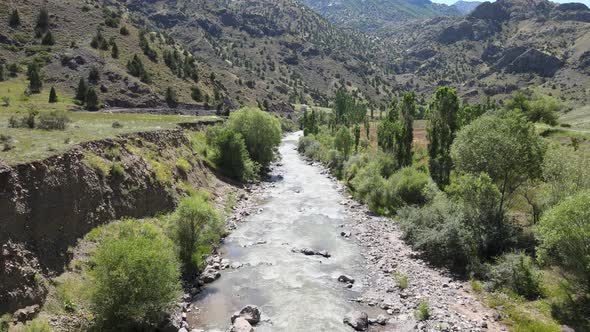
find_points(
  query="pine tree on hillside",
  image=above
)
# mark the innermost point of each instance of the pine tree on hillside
(93, 75)
(82, 90)
(35, 83)
(14, 20)
(2, 74)
(115, 51)
(91, 100)
(42, 21)
(171, 98)
(48, 39)
(135, 68)
(52, 95)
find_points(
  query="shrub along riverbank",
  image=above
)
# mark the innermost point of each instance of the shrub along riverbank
(489, 198)
(128, 274)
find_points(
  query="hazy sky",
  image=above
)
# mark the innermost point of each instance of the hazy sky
(450, 2)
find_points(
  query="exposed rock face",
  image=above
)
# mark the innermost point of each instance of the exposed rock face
(358, 320)
(572, 12)
(490, 11)
(534, 61)
(45, 206)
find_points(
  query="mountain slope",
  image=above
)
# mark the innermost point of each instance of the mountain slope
(466, 7)
(499, 48)
(270, 50)
(372, 15)
(73, 25)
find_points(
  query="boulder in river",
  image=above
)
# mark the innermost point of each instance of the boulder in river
(251, 313)
(240, 324)
(358, 320)
(346, 279)
(210, 275)
(311, 252)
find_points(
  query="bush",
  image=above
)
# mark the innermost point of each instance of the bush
(37, 325)
(135, 279)
(231, 154)
(516, 271)
(369, 186)
(261, 132)
(55, 120)
(309, 147)
(422, 312)
(183, 165)
(564, 235)
(439, 231)
(408, 186)
(117, 125)
(196, 225)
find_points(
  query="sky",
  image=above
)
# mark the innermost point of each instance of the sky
(450, 2)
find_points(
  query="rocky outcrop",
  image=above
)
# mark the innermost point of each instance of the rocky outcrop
(534, 61)
(46, 205)
(571, 12)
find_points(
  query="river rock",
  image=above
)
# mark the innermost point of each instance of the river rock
(250, 312)
(358, 320)
(210, 275)
(346, 279)
(311, 252)
(240, 324)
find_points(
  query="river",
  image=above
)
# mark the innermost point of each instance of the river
(295, 292)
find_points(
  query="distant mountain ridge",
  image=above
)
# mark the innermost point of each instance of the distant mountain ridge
(466, 7)
(372, 15)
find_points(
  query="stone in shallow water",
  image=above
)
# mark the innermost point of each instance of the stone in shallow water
(241, 325)
(358, 320)
(250, 312)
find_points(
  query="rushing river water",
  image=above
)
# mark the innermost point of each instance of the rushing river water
(294, 292)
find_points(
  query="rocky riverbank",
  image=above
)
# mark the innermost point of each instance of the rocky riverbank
(381, 300)
(452, 303)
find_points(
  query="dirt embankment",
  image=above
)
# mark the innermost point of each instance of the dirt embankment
(45, 206)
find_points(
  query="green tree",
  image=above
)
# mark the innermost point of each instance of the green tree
(93, 75)
(542, 108)
(564, 236)
(231, 154)
(92, 103)
(357, 137)
(442, 127)
(406, 134)
(196, 94)
(504, 146)
(42, 21)
(343, 141)
(48, 39)
(14, 20)
(35, 82)
(2, 73)
(135, 68)
(135, 278)
(52, 95)
(193, 220)
(171, 98)
(124, 31)
(261, 132)
(82, 90)
(115, 51)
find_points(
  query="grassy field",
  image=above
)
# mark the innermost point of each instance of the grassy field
(32, 144)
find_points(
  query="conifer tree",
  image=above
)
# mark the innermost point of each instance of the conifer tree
(115, 51)
(42, 21)
(52, 95)
(91, 100)
(407, 111)
(14, 20)
(48, 39)
(171, 98)
(82, 90)
(35, 83)
(2, 73)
